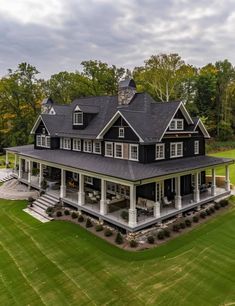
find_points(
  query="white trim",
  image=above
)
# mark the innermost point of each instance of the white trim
(77, 108)
(111, 143)
(37, 124)
(176, 143)
(202, 128)
(80, 144)
(196, 147)
(88, 180)
(118, 144)
(75, 114)
(160, 145)
(121, 135)
(185, 113)
(136, 146)
(111, 121)
(176, 125)
(62, 143)
(89, 142)
(94, 143)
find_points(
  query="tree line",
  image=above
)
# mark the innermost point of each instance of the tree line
(208, 91)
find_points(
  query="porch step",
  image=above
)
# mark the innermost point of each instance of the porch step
(50, 197)
(47, 201)
(37, 215)
(6, 178)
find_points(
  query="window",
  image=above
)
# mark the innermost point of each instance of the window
(118, 150)
(159, 191)
(160, 151)
(65, 143)
(177, 124)
(76, 144)
(38, 140)
(87, 146)
(121, 133)
(176, 149)
(88, 180)
(75, 176)
(43, 141)
(48, 142)
(43, 130)
(134, 152)
(78, 118)
(196, 147)
(109, 149)
(97, 147)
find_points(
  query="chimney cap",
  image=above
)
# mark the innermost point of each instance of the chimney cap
(127, 83)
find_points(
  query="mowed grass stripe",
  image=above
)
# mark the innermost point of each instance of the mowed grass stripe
(76, 268)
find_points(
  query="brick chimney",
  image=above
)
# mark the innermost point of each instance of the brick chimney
(126, 91)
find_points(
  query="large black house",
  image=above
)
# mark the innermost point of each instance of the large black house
(126, 159)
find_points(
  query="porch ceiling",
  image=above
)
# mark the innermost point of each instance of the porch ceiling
(122, 169)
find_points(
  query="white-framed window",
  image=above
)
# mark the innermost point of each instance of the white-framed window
(177, 124)
(88, 180)
(43, 141)
(38, 140)
(176, 149)
(65, 143)
(78, 118)
(109, 149)
(159, 191)
(48, 142)
(121, 132)
(134, 152)
(160, 151)
(76, 144)
(43, 130)
(196, 147)
(118, 150)
(75, 176)
(87, 146)
(97, 147)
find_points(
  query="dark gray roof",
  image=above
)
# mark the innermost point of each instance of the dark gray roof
(123, 169)
(47, 101)
(127, 83)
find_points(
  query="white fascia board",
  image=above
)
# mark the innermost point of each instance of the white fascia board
(202, 128)
(36, 125)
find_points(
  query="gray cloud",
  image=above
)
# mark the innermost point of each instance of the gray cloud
(123, 32)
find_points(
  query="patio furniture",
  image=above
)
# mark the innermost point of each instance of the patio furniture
(166, 201)
(203, 188)
(144, 204)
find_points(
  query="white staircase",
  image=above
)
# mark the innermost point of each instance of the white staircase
(6, 178)
(39, 207)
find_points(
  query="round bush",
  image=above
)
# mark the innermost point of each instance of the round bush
(150, 239)
(160, 235)
(188, 222)
(88, 223)
(203, 215)
(223, 202)
(74, 215)
(58, 213)
(108, 232)
(217, 206)
(133, 243)
(67, 212)
(167, 233)
(175, 227)
(208, 212)
(182, 225)
(49, 210)
(99, 227)
(195, 219)
(212, 210)
(119, 238)
(80, 218)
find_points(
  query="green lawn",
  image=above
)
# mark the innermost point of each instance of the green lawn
(228, 154)
(59, 263)
(11, 158)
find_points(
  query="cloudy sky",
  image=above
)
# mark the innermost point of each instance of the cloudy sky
(57, 35)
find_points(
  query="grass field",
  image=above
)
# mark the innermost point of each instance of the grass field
(11, 159)
(60, 263)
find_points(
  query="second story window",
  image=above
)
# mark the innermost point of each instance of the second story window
(97, 147)
(87, 146)
(134, 152)
(176, 149)
(65, 143)
(160, 151)
(76, 144)
(121, 133)
(118, 150)
(78, 118)
(176, 124)
(109, 149)
(43, 141)
(196, 147)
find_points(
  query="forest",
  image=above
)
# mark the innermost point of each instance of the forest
(208, 91)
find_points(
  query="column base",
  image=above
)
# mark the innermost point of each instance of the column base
(227, 185)
(213, 190)
(178, 202)
(81, 198)
(103, 207)
(157, 210)
(62, 191)
(132, 218)
(196, 197)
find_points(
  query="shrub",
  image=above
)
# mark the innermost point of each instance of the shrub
(80, 218)
(74, 215)
(175, 227)
(59, 213)
(35, 171)
(49, 210)
(99, 227)
(195, 219)
(88, 222)
(133, 243)
(212, 210)
(208, 212)
(108, 232)
(223, 202)
(150, 239)
(67, 212)
(182, 225)
(119, 238)
(203, 215)
(30, 200)
(125, 215)
(160, 235)
(167, 233)
(217, 206)
(44, 184)
(188, 222)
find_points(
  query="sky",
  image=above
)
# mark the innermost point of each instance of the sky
(57, 35)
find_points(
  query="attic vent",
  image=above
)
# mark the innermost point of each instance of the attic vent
(126, 91)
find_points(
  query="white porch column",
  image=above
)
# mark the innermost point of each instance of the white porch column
(40, 176)
(213, 185)
(132, 210)
(15, 164)
(227, 179)
(30, 164)
(103, 201)
(7, 160)
(63, 184)
(196, 194)
(157, 210)
(81, 197)
(20, 167)
(178, 201)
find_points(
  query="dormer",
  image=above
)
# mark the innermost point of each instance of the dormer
(82, 116)
(77, 117)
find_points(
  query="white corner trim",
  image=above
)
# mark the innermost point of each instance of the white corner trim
(202, 128)
(36, 125)
(77, 108)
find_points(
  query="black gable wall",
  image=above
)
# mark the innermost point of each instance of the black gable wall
(40, 128)
(179, 115)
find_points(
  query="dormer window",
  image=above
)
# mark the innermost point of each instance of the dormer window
(177, 124)
(78, 118)
(121, 133)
